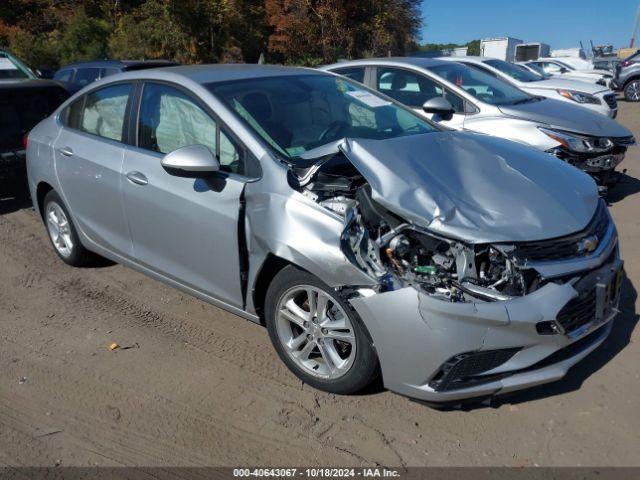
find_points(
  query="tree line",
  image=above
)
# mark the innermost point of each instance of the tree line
(309, 32)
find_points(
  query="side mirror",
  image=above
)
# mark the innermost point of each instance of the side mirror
(439, 106)
(192, 160)
(564, 70)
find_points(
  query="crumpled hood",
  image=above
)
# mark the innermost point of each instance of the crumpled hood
(476, 188)
(563, 115)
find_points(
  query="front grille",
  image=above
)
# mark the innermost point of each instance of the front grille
(611, 101)
(462, 370)
(578, 312)
(570, 246)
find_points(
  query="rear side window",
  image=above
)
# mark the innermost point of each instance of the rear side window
(104, 111)
(73, 115)
(354, 73)
(84, 76)
(63, 75)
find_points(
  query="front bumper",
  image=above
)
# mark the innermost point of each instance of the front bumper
(416, 336)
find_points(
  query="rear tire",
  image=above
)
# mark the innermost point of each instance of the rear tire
(62, 232)
(632, 91)
(322, 340)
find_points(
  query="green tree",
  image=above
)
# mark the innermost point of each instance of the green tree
(85, 38)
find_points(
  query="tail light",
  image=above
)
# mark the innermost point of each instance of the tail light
(25, 140)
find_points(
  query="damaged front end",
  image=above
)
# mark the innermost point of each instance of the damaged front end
(456, 318)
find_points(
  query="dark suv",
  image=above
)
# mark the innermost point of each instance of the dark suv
(627, 77)
(81, 74)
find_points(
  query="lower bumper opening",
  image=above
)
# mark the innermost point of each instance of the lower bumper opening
(458, 373)
(462, 370)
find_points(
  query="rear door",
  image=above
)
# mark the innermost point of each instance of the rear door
(184, 228)
(88, 155)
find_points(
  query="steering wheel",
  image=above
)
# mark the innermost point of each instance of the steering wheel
(335, 128)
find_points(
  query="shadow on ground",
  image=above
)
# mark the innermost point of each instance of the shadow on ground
(14, 195)
(626, 186)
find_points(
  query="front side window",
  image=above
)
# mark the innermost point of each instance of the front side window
(486, 88)
(105, 72)
(104, 111)
(297, 113)
(63, 75)
(170, 119)
(407, 87)
(354, 73)
(84, 76)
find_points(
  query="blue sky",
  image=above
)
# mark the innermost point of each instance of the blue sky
(560, 23)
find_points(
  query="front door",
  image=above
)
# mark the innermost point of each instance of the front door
(88, 155)
(184, 228)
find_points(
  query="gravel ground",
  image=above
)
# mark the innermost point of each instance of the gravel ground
(200, 386)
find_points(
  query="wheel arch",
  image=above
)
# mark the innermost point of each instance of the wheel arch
(271, 266)
(41, 191)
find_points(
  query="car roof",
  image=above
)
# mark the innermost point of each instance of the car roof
(413, 61)
(204, 74)
(118, 63)
(224, 72)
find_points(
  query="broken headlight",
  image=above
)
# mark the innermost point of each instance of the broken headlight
(578, 143)
(453, 269)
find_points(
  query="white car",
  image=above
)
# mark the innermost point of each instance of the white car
(594, 97)
(562, 68)
(537, 69)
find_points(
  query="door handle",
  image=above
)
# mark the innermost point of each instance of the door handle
(137, 178)
(66, 151)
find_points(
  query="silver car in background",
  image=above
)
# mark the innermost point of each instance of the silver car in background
(596, 97)
(368, 240)
(466, 98)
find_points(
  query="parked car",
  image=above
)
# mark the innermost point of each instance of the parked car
(24, 101)
(555, 66)
(594, 97)
(627, 77)
(466, 98)
(366, 238)
(83, 73)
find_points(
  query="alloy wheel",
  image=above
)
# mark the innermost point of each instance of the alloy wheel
(59, 229)
(632, 91)
(316, 332)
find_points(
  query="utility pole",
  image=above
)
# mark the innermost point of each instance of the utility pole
(636, 27)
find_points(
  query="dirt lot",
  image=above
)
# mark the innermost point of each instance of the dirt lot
(203, 387)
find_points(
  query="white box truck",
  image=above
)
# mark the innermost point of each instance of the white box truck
(503, 48)
(531, 51)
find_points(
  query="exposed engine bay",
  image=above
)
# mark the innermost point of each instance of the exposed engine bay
(399, 254)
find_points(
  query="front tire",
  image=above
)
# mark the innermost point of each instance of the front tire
(632, 91)
(62, 232)
(318, 335)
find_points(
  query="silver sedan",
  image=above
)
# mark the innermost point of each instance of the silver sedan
(368, 240)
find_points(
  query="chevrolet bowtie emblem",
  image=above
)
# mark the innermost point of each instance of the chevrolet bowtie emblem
(588, 244)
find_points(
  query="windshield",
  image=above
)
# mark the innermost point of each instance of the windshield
(483, 86)
(564, 65)
(514, 71)
(297, 113)
(9, 70)
(538, 69)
